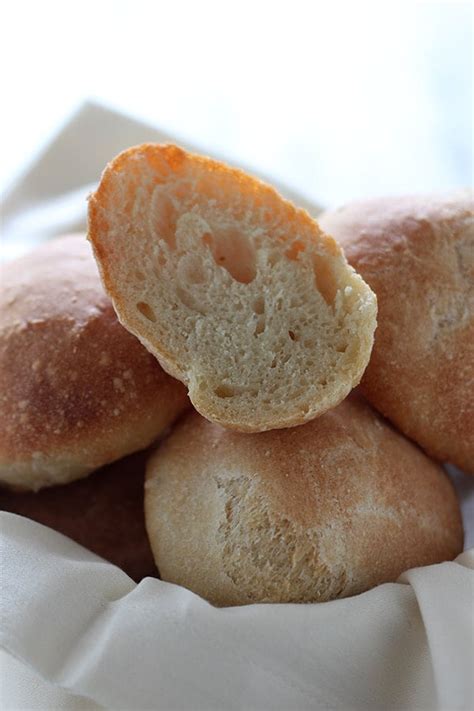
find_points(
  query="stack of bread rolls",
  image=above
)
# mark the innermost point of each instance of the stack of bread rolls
(223, 340)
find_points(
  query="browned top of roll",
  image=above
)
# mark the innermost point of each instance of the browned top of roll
(76, 389)
(417, 254)
(311, 513)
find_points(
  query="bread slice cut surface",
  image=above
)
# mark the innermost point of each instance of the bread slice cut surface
(238, 293)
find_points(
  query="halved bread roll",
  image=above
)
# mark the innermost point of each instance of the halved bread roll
(77, 391)
(417, 254)
(236, 292)
(321, 511)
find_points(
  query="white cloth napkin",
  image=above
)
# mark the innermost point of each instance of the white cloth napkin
(85, 626)
(77, 633)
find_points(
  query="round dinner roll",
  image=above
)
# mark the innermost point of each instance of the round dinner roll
(103, 512)
(77, 390)
(237, 292)
(321, 511)
(417, 254)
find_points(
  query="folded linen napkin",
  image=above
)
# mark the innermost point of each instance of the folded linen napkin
(86, 627)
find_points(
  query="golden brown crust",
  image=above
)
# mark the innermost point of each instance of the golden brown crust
(417, 254)
(325, 510)
(103, 513)
(191, 251)
(76, 389)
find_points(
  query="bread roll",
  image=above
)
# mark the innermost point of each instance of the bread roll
(235, 291)
(417, 254)
(103, 512)
(76, 389)
(321, 511)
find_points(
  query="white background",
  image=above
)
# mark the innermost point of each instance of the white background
(339, 100)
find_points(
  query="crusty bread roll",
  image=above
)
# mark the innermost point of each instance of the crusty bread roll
(76, 389)
(237, 293)
(103, 512)
(417, 254)
(321, 511)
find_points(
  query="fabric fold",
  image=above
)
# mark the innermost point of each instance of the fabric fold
(83, 625)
